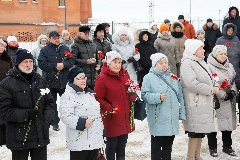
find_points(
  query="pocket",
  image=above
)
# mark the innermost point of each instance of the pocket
(46, 127)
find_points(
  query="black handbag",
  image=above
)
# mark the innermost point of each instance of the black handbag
(139, 109)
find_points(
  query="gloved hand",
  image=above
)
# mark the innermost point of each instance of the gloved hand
(130, 59)
(217, 104)
(178, 65)
(229, 95)
(123, 62)
(32, 113)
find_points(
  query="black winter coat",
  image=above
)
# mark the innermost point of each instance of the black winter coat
(48, 58)
(207, 47)
(104, 46)
(233, 52)
(146, 49)
(235, 21)
(12, 52)
(109, 38)
(82, 50)
(212, 34)
(17, 96)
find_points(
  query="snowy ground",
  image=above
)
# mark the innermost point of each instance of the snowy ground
(138, 146)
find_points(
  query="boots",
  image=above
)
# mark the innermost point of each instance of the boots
(192, 147)
(198, 151)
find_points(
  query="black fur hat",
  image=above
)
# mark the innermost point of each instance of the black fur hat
(84, 29)
(99, 28)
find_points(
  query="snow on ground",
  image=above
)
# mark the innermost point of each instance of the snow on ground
(138, 146)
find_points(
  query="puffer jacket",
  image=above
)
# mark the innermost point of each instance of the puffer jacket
(49, 56)
(104, 46)
(83, 50)
(111, 91)
(78, 104)
(226, 114)
(212, 34)
(233, 52)
(166, 123)
(197, 88)
(126, 50)
(12, 51)
(189, 30)
(17, 96)
(166, 45)
(36, 52)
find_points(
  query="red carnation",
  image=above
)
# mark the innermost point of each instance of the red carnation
(68, 54)
(116, 110)
(229, 44)
(224, 84)
(100, 55)
(174, 77)
(214, 74)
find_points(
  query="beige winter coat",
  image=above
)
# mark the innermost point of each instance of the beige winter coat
(198, 95)
(166, 45)
(226, 116)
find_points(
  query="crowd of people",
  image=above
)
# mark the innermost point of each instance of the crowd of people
(183, 74)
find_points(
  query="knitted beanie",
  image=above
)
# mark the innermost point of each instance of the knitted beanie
(110, 56)
(180, 17)
(65, 31)
(21, 55)
(73, 73)
(162, 27)
(192, 45)
(122, 31)
(11, 38)
(200, 31)
(217, 49)
(157, 57)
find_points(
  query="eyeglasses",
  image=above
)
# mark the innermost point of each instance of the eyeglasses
(85, 78)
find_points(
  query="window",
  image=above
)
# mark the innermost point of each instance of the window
(61, 2)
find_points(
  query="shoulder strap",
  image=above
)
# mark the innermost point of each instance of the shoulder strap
(204, 70)
(168, 84)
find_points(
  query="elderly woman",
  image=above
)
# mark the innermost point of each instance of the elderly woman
(163, 94)
(123, 45)
(111, 91)
(226, 114)
(166, 45)
(66, 39)
(80, 112)
(198, 90)
(136, 36)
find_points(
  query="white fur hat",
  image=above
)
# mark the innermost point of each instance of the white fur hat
(217, 49)
(122, 31)
(110, 56)
(65, 31)
(11, 38)
(157, 57)
(192, 45)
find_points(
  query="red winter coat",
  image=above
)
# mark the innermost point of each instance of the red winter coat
(111, 91)
(189, 30)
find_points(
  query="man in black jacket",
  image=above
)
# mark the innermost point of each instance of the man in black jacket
(233, 18)
(108, 35)
(85, 54)
(19, 95)
(50, 61)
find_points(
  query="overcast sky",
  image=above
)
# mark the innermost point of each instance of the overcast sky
(119, 10)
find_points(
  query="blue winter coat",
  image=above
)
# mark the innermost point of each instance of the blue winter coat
(48, 58)
(170, 112)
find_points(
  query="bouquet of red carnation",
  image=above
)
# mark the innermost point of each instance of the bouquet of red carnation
(229, 44)
(227, 86)
(136, 51)
(114, 111)
(132, 88)
(100, 57)
(68, 55)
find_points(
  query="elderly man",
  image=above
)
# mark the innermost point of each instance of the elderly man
(19, 95)
(85, 53)
(50, 61)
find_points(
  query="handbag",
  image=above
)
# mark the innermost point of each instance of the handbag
(101, 154)
(139, 109)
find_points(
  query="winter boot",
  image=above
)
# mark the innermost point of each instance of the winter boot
(198, 150)
(192, 147)
(121, 158)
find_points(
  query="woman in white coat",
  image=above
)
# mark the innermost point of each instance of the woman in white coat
(226, 113)
(80, 112)
(124, 46)
(198, 90)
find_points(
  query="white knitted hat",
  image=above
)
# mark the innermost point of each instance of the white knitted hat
(157, 57)
(192, 45)
(110, 56)
(65, 31)
(122, 31)
(11, 38)
(217, 49)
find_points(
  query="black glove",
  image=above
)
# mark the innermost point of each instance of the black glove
(229, 95)
(123, 62)
(32, 113)
(130, 59)
(217, 104)
(178, 65)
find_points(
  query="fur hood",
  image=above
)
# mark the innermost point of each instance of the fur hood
(224, 32)
(172, 30)
(214, 27)
(117, 41)
(42, 36)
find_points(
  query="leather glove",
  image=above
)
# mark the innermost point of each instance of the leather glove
(229, 96)
(32, 113)
(130, 59)
(217, 104)
(177, 65)
(123, 62)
